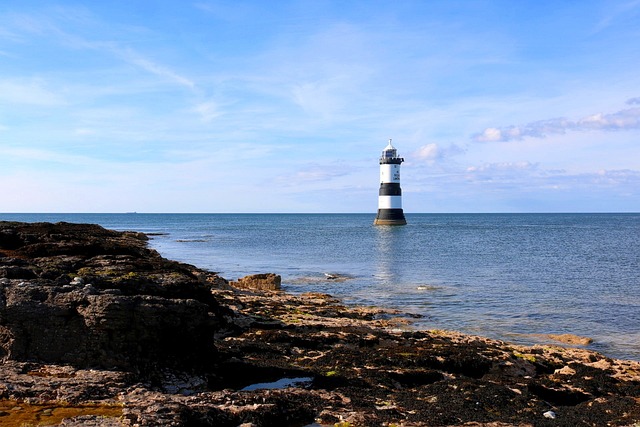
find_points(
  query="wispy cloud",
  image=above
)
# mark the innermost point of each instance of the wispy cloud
(29, 92)
(26, 155)
(311, 173)
(152, 67)
(616, 12)
(500, 168)
(626, 119)
(208, 111)
(55, 27)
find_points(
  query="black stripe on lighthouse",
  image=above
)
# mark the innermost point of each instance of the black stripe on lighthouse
(390, 189)
(390, 217)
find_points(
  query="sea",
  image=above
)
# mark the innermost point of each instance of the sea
(513, 277)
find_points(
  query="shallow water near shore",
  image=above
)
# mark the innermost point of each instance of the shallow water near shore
(504, 276)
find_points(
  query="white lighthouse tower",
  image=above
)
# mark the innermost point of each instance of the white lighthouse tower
(390, 195)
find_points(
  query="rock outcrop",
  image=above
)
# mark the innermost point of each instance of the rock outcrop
(98, 330)
(263, 282)
(90, 297)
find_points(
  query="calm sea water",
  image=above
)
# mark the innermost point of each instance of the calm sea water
(505, 276)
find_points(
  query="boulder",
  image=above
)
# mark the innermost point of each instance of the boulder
(263, 282)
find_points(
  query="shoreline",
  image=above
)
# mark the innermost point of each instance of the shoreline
(92, 321)
(527, 339)
(456, 301)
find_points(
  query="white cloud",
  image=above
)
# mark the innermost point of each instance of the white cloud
(489, 135)
(428, 152)
(627, 119)
(433, 152)
(624, 119)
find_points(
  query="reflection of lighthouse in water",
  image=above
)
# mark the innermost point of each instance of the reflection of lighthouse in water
(387, 268)
(390, 195)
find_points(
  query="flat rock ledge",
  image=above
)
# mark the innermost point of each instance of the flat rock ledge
(98, 330)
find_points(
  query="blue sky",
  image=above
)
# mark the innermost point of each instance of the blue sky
(285, 106)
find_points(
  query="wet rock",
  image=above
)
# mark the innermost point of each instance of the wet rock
(571, 339)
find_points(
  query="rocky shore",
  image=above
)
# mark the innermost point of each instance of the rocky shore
(96, 329)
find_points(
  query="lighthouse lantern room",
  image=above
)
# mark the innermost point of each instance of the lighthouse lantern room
(390, 195)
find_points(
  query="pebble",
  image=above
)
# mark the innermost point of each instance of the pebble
(550, 414)
(77, 281)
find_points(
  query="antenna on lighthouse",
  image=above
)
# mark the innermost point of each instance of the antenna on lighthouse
(390, 195)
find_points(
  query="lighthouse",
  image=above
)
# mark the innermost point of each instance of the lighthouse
(390, 195)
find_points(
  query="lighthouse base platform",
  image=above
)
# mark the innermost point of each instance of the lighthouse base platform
(390, 217)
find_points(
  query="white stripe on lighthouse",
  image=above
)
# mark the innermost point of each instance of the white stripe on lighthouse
(389, 202)
(389, 173)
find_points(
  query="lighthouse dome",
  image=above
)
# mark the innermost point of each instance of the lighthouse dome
(389, 151)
